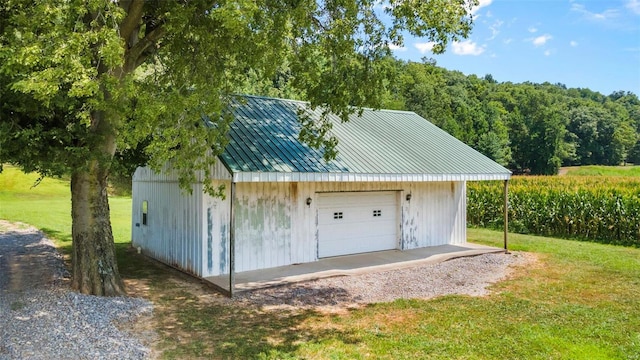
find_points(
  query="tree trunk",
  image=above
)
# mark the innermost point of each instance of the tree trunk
(95, 269)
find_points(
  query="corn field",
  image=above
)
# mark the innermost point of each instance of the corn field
(595, 208)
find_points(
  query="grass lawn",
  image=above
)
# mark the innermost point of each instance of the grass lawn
(580, 301)
(600, 170)
(47, 206)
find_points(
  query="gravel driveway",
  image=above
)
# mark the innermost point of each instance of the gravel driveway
(462, 276)
(40, 318)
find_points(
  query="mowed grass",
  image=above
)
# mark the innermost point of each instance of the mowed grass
(47, 206)
(579, 300)
(600, 170)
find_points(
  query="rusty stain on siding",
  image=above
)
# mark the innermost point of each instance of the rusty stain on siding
(283, 220)
(223, 249)
(209, 239)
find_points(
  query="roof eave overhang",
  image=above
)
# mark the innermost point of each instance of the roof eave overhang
(240, 177)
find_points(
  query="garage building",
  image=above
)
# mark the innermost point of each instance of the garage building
(397, 183)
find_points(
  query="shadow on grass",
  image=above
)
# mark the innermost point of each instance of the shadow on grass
(62, 238)
(193, 321)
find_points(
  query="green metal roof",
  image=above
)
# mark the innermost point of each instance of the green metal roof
(379, 145)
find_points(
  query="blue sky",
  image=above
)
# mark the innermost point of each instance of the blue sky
(581, 43)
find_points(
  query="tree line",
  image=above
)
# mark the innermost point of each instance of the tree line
(527, 127)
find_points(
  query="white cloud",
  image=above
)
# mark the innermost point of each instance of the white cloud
(547, 53)
(395, 47)
(481, 4)
(634, 6)
(508, 41)
(495, 29)
(542, 39)
(532, 29)
(603, 16)
(573, 43)
(424, 47)
(467, 47)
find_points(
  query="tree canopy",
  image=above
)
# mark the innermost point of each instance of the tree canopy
(529, 128)
(83, 79)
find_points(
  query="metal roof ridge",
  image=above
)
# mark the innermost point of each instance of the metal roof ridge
(270, 176)
(307, 103)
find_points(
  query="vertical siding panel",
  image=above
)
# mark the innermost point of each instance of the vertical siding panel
(247, 202)
(251, 248)
(427, 217)
(262, 237)
(420, 226)
(308, 250)
(285, 223)
(267, 237)
(278, 223)
(276, 219)
(440, 213)
(196, 249)
(240, 209)
(174, 233)
(461, 213)
(215, 232)
(137, 238)
(264, 225)
(272, 214)
(241, 213)
(436, 214)
(207, 258)
(455, 216)
(297, 213)
(169, 235)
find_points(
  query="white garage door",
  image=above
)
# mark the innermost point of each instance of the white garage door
(356, 222)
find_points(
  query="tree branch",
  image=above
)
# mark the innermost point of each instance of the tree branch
(139, 51)
(132, 21)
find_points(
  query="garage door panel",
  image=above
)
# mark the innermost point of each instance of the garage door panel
(354, 246)
(372, 229)
(348, 216)
(345, 214)
(355, 222)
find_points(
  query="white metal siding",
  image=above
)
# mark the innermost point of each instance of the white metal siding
(436, 215)
(357, 222)
(173, 233)
(263, 225)
(274, 225)
(216, 222)
(177, 231)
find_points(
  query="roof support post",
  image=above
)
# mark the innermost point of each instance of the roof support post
(232, 241)
(506, 214)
